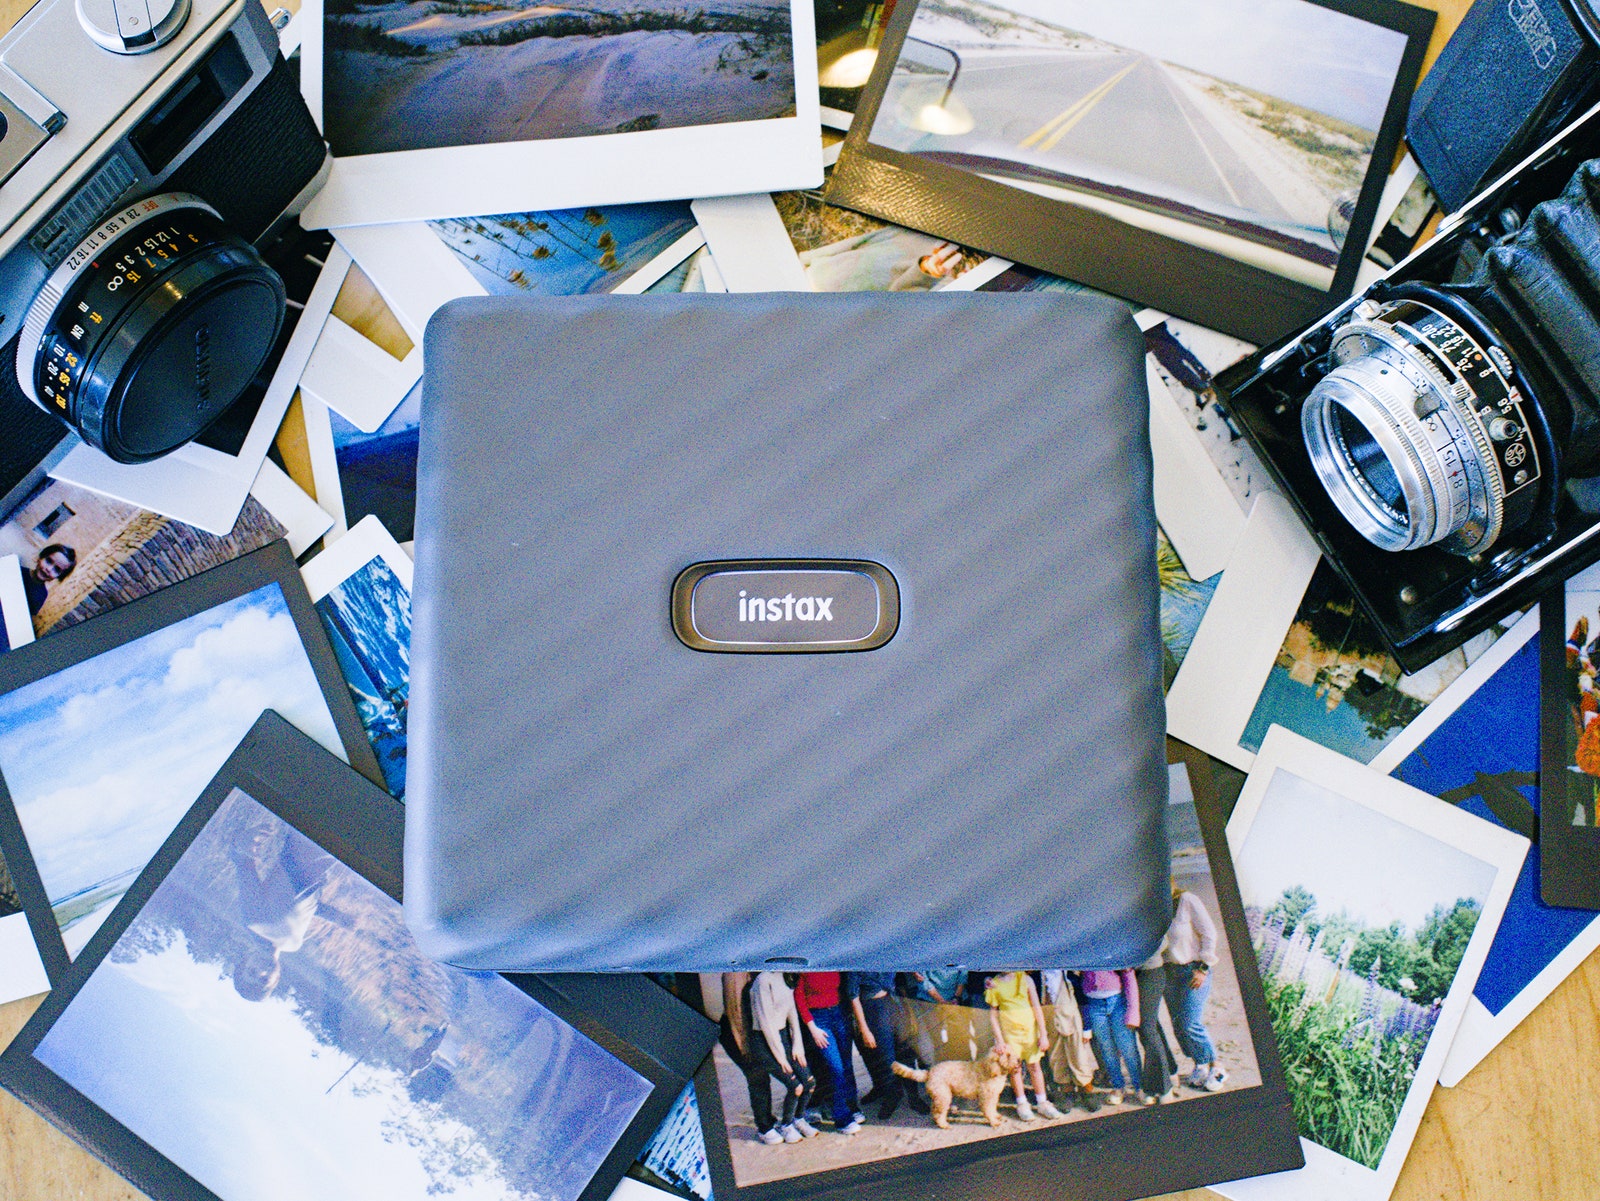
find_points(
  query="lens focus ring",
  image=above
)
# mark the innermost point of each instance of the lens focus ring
(1399, 431)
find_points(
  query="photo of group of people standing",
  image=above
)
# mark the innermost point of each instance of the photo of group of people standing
(920, 1059)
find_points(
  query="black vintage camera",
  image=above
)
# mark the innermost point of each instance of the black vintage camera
(1513, 73)
(1440, 433)
(149, 157)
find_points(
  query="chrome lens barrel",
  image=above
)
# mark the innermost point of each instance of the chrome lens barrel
(1417, 432)
(1368, 450)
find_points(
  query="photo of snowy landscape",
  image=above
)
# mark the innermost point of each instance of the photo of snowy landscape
(1252, 120)
(424, 74)
(564, 252)
(368, 619)
(267, 1023)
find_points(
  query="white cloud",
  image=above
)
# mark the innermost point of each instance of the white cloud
(103, 760)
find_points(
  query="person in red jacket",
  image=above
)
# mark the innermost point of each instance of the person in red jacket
(817, 997)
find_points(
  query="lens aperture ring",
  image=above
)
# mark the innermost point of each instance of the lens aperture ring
(80, 321)
(153, 326)
(1459, 416)
(1486, 371)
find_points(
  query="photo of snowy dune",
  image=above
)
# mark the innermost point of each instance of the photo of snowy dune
(267, 1023)
(424, 74)
(1252, 119)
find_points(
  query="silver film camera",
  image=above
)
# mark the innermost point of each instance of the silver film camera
(148, 148)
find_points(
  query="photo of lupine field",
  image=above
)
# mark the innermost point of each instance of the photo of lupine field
(1359, 924)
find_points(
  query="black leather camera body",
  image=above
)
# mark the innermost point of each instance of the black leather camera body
(1511, 76)
(1439, 433)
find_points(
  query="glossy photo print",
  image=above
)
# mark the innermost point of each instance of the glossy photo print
(361, 586)
(1371, 908)
(1135, 145)
(568, 252)
(447, 109)
(84, 553)
(1569, 815)
(275, 1002)
(1262, 137)
(1335, 682)
(257, 1022)
(110, 731)
(905, 1073)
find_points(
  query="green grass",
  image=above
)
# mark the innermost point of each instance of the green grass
(1347, 1098)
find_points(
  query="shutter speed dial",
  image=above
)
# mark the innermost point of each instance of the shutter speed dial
(132, 26)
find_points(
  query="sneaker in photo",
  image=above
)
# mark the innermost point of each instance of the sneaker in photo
(1024, 1110)
(790, 1134)
(806, 1129)
(1215, 1081)
(770, 1137)
(1114, 1097)
(851, 1127)
(1046, 1110)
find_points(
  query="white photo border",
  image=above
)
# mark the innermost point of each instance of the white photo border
(1328, 1174)
(14, 615)
(1221, 678)
(557, 173)
(365, 541)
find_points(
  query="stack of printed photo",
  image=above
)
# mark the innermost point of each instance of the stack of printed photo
(205, 663)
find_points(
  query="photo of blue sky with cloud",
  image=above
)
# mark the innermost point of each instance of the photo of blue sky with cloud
(103, 759)
(1351, 857)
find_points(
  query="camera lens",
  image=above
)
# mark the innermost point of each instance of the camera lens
(151, 328)
(1418, 433)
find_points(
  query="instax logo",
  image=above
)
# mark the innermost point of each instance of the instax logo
(785, 608)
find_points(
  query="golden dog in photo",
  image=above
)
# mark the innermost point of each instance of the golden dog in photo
(980, 1080)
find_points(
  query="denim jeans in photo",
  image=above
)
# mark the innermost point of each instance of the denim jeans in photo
(1107, 1019)
(838, 1062)
(1188, 1006)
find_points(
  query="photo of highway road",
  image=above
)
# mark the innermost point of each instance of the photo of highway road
(1252, 141)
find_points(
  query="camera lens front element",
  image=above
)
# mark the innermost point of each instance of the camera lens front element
(151, 328)
(1418, 434)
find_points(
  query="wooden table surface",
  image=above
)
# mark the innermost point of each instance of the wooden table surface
(1525, 1126)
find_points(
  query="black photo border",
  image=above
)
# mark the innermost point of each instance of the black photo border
(1094, 248)
(54, 653)
(1569, 856)
(362, 826)
(1112, 1157)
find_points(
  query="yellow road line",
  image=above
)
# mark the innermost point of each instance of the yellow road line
(1053, 130)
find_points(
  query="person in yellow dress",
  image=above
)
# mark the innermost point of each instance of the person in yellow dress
(1018, 1021)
